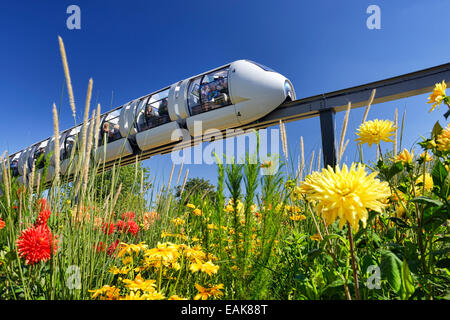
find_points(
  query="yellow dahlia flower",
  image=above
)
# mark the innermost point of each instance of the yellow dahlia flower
(437, 95)
(425, 156)
(346, 194)
(428, 182)
(443, 140)
(375, 131)
(404, 157)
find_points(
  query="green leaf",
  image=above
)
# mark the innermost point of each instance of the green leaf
(399, 222)
(391, 270)
(314, 253)
(437, 129)
(428, 201)
(441, 179)
(407, 282)
(444, 263)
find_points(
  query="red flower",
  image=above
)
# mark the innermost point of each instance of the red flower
(128, 215)
(129, 226)
(36, 244)
(43, 217)
(100, 246)
(42, 203)
(2, 224)
(108, 228)
(112, 248)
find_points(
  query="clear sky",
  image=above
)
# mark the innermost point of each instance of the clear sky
(134, 47)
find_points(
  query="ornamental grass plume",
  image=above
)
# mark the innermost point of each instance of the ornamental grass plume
(36, 244)
(345, 194)
(375, 131)
(438, 95)
(443, 140)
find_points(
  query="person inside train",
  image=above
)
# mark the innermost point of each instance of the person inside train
(163, 108)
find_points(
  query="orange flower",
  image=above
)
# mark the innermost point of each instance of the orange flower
(2, 224)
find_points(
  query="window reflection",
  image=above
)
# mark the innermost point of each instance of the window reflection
(209, 92)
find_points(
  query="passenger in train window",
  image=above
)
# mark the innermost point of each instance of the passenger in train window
(163, 108)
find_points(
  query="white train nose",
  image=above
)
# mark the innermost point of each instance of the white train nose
(256, 90)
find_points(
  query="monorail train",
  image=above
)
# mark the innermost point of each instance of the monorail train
(226, 97)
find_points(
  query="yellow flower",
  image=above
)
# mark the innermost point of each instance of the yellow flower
(375, 131)
(316, 237)
(437, 95)
(425, 156)
(208, 267)
(404, 157)
(175, 297)
(212, 226)
(194, 254)
(230, 206)
(297, 217)
(140, 284)
(127, 260)
(106, 292)
(115, 270)
(136, 295)
(130, 248)
(167, 252)
(296, 194)
(346, 194)
(177, 221)
(428, 182)
(190, 205)
(197, 212)
(443, 140)
(205, 293)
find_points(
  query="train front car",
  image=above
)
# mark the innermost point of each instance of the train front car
(234, 95)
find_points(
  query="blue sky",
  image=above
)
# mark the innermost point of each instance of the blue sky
(133, 48)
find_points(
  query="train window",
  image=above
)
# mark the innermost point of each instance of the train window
(14, 165)
(69, 143)
(153, 111)
(39, 155)
(110, 127)
(194, 93)
(210, 93)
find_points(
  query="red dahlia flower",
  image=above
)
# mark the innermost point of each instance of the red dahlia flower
(2, 224)
(43, 217)
(36, 244)
(128, 215)
(108, 228)
(128, 226)
(112, 248)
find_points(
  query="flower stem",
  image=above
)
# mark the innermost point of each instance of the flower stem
(352, 252)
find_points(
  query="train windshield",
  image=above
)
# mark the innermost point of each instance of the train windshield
(110, 127)
(70, 142)
(265, 68)
(153, 111)
(209, 92)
